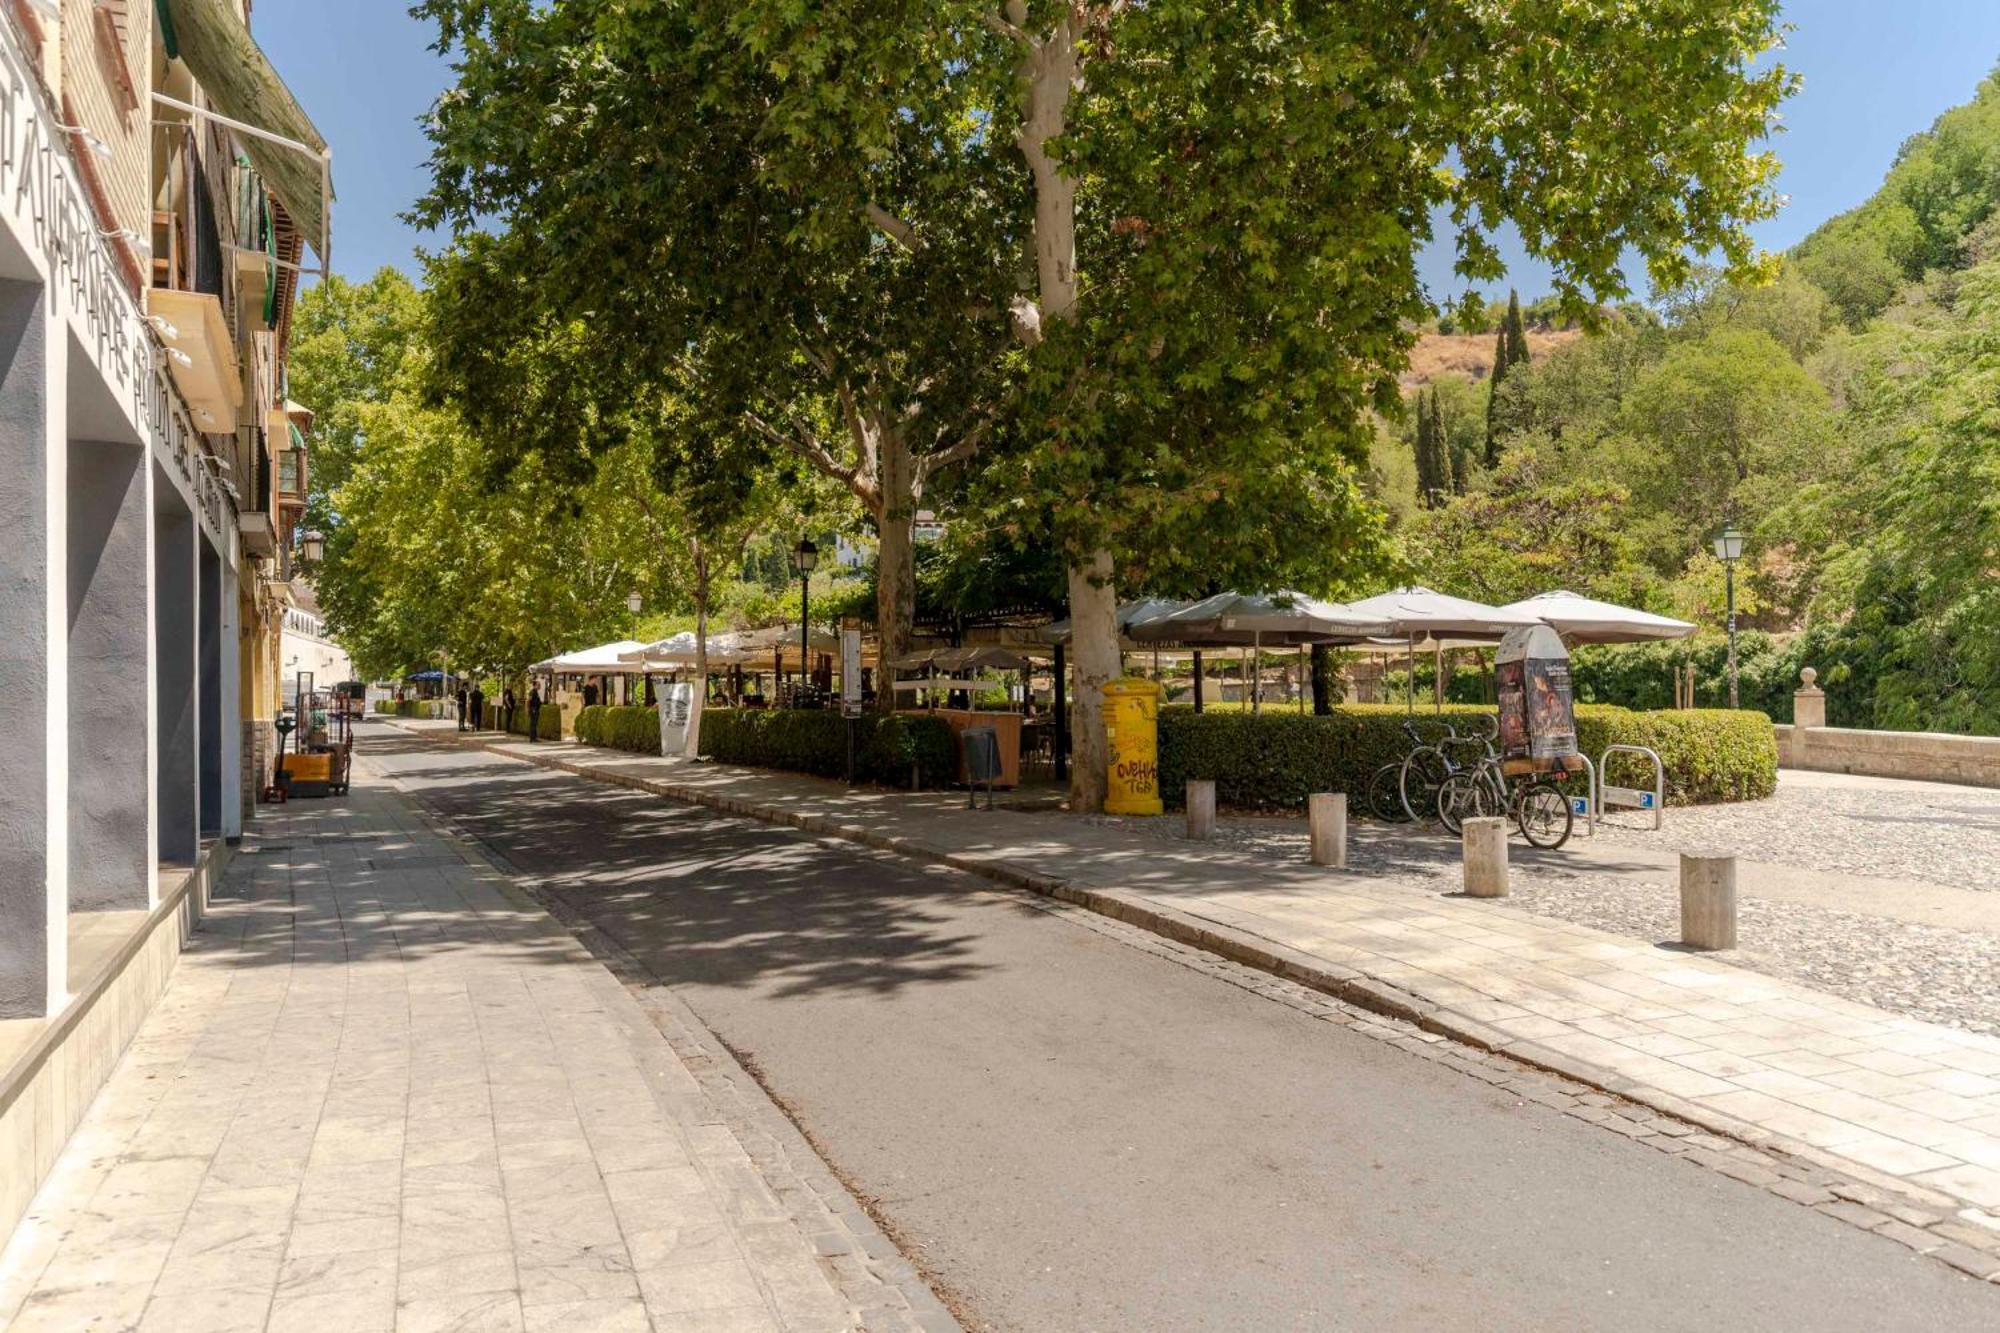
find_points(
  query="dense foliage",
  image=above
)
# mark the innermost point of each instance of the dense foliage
(889, 749)
(1841, 416)
(1274, 761)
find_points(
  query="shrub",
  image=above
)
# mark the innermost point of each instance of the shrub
(886, 745)
(1274, 761)
(620, 727)
(413, 707)
(551, 722)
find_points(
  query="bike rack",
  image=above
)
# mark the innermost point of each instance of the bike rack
(1654, 800)
(1587, 805)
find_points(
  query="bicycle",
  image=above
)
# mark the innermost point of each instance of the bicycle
(1385, 786)
(1428, 768)
(1538, 807)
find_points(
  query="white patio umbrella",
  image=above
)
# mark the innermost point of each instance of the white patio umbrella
(1129, 614)
(1257, 621)
(1417, 613)
(1587, 620)
(678, 650)
(603, 659)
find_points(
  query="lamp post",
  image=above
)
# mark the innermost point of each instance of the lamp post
(312, 547)
(1729, 549)
(804, 556)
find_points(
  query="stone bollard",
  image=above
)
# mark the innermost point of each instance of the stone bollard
(1708, 901)
(1809, 701)
(1326, 816)
(1485, 846)
(1201, 810)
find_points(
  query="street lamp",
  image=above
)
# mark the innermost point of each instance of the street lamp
(804, 556)
(1729, 549)
(634, 602)
(312, 547)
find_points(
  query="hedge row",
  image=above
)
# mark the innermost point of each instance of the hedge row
(550, 719)
(887, 747)
(409, 707)
(620, 727)
(1274, 761)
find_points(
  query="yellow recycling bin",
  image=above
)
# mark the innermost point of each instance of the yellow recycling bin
(1132, 734)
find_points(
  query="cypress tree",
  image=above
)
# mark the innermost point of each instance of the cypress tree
(1425, 479)
(1516, 330)
(1493, 394)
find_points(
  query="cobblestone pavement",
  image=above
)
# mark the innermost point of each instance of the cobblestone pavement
(1889, 830)
(1929, 972)
(385, 1091)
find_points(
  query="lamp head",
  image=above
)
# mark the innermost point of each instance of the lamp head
(1729, 544)
(805, 555)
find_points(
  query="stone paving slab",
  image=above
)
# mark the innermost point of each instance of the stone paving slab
(1910, 1106)
(385, 1091)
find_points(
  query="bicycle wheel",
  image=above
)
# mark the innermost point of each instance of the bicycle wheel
(1424, 772)
(1385, 794)
(1544, 816)
(1463, 796)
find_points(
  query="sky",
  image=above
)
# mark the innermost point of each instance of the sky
(1876, 72)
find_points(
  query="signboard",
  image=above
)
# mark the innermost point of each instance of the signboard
(1632, 796)
(850, 673)
(1532, 683)
(676, 703)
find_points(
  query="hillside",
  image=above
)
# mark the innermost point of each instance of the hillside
(1470, 355)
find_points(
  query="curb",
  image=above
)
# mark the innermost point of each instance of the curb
(1264, 955)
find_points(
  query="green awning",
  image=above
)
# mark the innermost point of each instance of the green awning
(241, 84)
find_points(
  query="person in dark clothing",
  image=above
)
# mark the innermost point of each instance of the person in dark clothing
(478, 707)
(589, 694)
(462, 700)
(534, 712)
(507, 708)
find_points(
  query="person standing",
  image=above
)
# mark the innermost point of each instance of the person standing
(507, 708)
(534, 712)
(590, 694)
(478, 707)
(462, 700)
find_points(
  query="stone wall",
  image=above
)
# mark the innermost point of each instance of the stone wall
(1923, 755)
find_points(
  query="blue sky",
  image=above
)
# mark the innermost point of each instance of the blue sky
(1876, 71)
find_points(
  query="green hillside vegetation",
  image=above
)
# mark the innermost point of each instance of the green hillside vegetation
(1846, 417)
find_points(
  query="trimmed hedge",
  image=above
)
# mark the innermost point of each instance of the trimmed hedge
(1274, 761)
(886, 745)
(551, 721)
(620, 727)
(409, 707)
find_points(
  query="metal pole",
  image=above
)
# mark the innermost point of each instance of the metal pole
(1197, 680)
(1257, 665)
(805, 642)
(1729, 566)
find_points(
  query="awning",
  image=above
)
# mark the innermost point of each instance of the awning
(232, 69)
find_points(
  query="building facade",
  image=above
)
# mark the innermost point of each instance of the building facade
(159, 190)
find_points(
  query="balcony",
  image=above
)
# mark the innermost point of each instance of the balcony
(206, 372)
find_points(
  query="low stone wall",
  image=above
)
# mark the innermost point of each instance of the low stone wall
(1923, 755)
(46, 1090)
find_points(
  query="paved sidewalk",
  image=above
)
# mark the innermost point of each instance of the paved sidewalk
(1909, 1106)
(386, 1091)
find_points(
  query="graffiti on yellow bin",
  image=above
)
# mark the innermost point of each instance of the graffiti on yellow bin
(1132, 730)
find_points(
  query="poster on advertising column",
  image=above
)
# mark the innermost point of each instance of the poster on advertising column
(680, 718)
(1537, 714)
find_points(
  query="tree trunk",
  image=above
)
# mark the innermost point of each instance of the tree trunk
(1049, 77)
(1323, 683)
(1093, 609)
(895, 560)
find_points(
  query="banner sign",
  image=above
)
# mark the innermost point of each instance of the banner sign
(850, 672)
(676, 703)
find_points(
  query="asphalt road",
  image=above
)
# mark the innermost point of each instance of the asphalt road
(1071, 1133)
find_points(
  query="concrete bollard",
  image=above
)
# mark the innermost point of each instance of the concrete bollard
(1326, 815)
(1708, 901)
(1201, 810)
(1484, 841)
